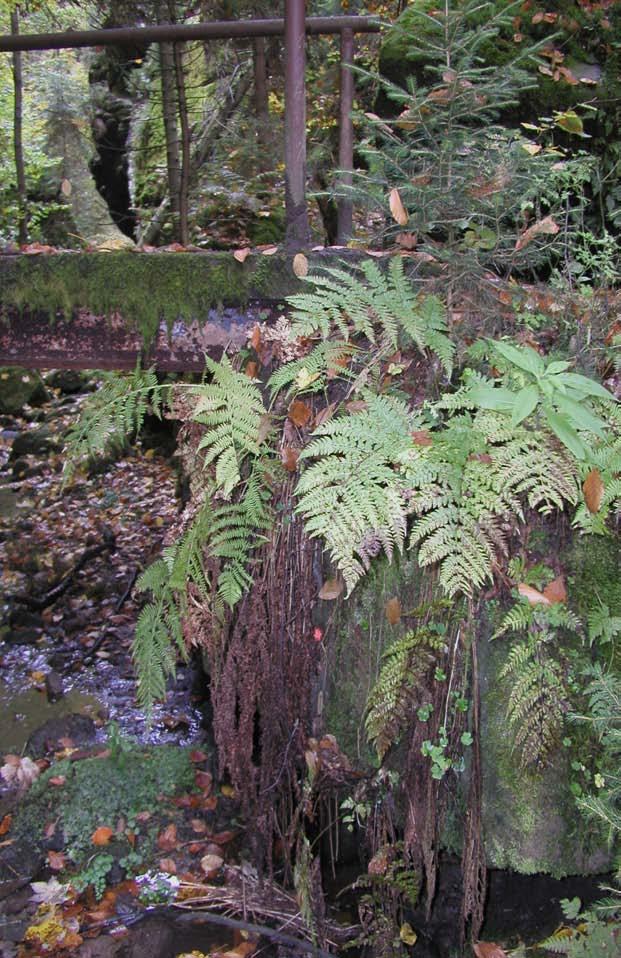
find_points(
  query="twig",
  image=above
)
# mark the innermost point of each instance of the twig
(263, 930)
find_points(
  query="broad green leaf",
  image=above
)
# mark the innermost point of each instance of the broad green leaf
(579, 415)
(496, 398)
(525, 402)
(570, 122)
(524, 357)
(566, 433)
(588, 387)
(558, 366)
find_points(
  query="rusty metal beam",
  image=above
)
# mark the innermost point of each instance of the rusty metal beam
(216, 30)
(297, 232)
(346, 136)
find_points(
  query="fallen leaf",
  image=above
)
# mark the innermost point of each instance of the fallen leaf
(544, 227)
(593, 489)
(211, 864)
(198, 826)
(407, 240)
(422, 437)
(392, 610)
(332, 588)
(289, 458)
(57, 780)
(167, 865)
(56, 861)
(167, 840)
(19, 772)
(555, 591)
(251, 369)
(242, 254)
(204, 781)
(5, 824)
(299, 413)
(242, 950)
(397, 208)
(324, 415)
(49, 892)
(102, 835)
(488, 949)
(198, 756)
(533, 595)
(300, 265)
(269, 250)
(255, 339)
(407, 934)
(65, 187)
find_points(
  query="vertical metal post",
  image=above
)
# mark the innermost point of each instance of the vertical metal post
(346, 137)
(298, 232)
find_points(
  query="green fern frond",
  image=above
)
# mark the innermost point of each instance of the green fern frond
(400, 686)
(154, 652)
(309, 373)
(381, 306)
(352, 496)
(232, 409)
(111, 414)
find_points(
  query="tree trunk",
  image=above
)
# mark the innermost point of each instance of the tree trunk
(169, 112)
(261, 102)
(20, 171)
(184, 179)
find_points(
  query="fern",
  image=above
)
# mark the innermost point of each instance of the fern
(603, 626)
(115, 411)
(310, 372)
(400, 686)
(157, 638)
(382, 306)
(352, 496)
(232, 409)
(537, 698)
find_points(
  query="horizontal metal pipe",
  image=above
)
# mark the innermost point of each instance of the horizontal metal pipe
(216, 30)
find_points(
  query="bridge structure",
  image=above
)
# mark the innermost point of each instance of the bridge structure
(106, 310)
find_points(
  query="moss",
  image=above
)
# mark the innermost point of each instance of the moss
(142, 288)
(593, 564)
(97, 792)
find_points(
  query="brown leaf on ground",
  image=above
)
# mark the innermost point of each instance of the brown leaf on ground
(5, 824)
(299, 412)
(168, 865)
(534, 596)
(332, 588)
(241, 254)
(555, 591)
(102, 835)
(300, 265)
(544, 227)
(211, 864)
(167, 840)
(204, 781)
(289, 458)
(398, 210)
(392, 610)
(488, 949)
(422, 437)
(593, 489)
(56, 861)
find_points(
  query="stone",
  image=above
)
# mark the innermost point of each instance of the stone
(35, 442)
(20, 387)
(19, 863)
(79, 728)
(54, 686)
(67, 381)
(151, 938)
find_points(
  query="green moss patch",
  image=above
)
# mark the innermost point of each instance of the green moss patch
(98, 792)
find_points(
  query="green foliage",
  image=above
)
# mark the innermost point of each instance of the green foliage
(310, 373)
(94, 873)
(402, 685)
(115, 411)
(231, 407)
(352, 495)
(381, 307)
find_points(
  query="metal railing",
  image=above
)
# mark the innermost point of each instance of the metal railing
(295, 26)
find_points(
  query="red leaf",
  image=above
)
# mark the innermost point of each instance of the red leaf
(204, 781)
(102, 835)
(167, 840)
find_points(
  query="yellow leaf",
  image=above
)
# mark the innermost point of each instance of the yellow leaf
(593, 489)
(300, 265)
(397, 208)
(407, 934)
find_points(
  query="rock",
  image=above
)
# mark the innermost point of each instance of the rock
(23, 470)
(20, 387)
(19, 863)
(68, 381)
(79, 728)
(103, 947)
(21, 618)
(23, 636)
(151, 938)
(54, 686)
(35, 442)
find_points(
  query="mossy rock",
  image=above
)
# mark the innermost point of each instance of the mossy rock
(20, 387)
(98, 792)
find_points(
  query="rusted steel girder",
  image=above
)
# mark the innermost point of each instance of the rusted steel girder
(216, 30)
(298, 231)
